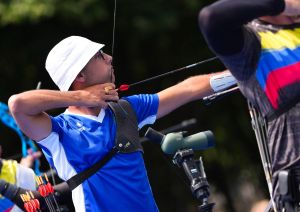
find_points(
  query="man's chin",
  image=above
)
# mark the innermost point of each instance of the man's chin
(113, 79)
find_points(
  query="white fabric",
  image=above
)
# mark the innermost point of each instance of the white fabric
(68, 58)
(15, 208)
(25, 178)
(222, 81)
(98, 118)
(78, 199)
(64, 169)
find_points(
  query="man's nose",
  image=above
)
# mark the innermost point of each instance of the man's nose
(108, 58)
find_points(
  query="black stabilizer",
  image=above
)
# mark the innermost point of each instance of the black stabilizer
(154, 135)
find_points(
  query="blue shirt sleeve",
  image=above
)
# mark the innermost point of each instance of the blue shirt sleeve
(58, 124)
(145, 106)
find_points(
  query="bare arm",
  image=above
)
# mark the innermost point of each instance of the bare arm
(28, 108)
(189, 90)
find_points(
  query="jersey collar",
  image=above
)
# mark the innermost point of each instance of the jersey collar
(98, 118)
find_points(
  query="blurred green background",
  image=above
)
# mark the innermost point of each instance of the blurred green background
(151, 38)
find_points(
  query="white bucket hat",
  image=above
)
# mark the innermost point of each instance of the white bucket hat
(68, 58)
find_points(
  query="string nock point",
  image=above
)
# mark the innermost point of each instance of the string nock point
(123, 87)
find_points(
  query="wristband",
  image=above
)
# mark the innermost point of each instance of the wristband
(220, 82)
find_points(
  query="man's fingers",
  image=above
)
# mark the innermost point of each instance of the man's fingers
(112, 92)
(108, 90)
(111, 98)
(102, 93)
(104, 105)
(109, 86)
(37, 154)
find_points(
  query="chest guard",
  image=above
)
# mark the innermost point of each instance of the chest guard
(127, 136)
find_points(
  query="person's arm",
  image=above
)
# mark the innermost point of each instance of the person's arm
(192, 89)
(28, 160)
(28, 107)
(222, 22)
(13, 192)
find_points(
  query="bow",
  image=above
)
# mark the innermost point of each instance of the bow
(125, 87)
(9, 121)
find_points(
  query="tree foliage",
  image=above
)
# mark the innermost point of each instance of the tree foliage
(152, 37)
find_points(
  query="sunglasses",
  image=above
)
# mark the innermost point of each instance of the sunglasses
(99, 55)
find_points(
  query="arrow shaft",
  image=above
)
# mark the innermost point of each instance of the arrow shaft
(173, 71)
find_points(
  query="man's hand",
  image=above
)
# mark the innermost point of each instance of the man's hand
(30, 158)
(292, 8)
(99, 95)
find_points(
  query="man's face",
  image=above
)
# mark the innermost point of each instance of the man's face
(99, 69)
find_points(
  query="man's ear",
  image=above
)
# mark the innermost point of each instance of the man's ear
(80, 77)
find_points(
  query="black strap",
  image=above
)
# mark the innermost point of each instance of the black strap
(127, 137)
(77, 179)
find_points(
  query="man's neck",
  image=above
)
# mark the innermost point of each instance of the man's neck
(94, 111)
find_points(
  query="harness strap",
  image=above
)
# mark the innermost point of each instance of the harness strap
(77, 179)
